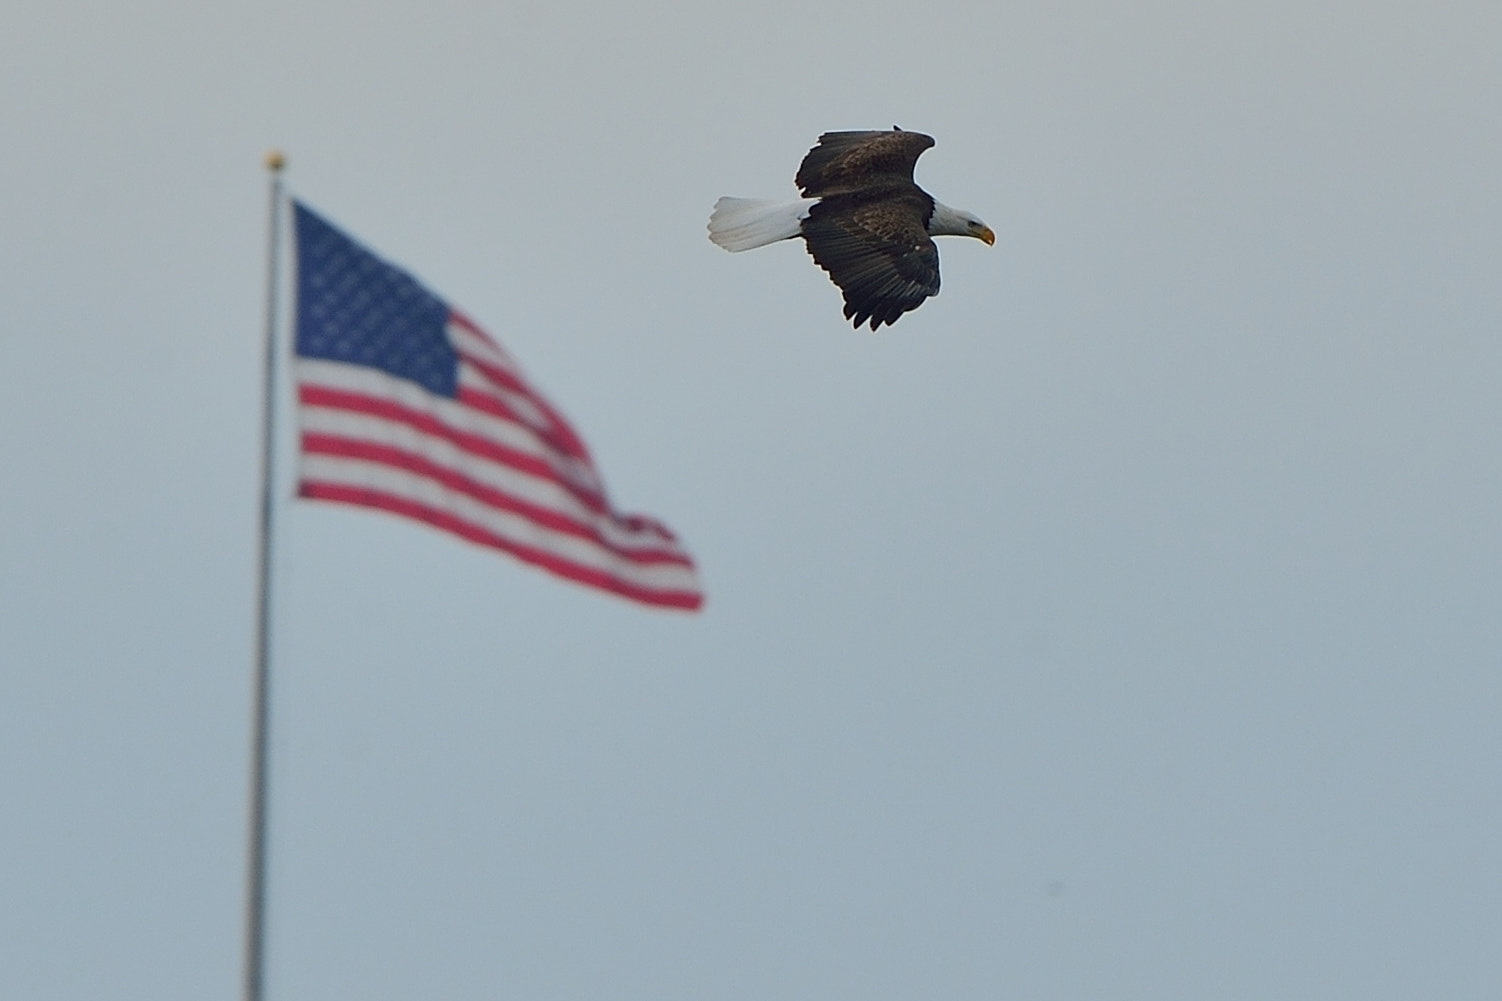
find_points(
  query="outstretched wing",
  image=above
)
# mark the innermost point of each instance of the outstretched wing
(843, 162)
(876, 248)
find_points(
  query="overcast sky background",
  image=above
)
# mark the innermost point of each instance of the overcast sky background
(1124, 623)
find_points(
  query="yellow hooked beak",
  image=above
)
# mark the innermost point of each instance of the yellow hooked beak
(986, 235)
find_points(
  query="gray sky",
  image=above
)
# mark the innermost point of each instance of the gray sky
(1124, 623)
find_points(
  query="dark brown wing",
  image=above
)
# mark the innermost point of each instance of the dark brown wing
(876, 248)
(843, 162)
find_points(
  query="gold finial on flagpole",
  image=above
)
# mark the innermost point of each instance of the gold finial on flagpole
(275, 161)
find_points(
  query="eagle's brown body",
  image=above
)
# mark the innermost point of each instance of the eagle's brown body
(865, 221)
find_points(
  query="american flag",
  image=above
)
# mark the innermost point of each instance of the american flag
(407, 406)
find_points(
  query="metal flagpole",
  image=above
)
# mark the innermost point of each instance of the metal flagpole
(255, 878)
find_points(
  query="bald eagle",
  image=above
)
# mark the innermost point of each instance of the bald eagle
(863, 219)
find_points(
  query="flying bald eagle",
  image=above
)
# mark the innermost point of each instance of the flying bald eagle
(863, 219)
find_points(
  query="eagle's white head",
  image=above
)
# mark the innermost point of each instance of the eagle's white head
(955, 222)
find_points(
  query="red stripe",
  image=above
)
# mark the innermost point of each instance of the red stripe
(592, 497)
(688, 600)
(327, 444)
(473, 442)
(459, 319)
(557, 434)
(509, 378)
(502, 377)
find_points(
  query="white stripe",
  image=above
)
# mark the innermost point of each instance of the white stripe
(522, 405)
(364, 474)
(500, 430)
(523, 486)
(511, 434)
(379, 385)
(527, 404)
(467, 342)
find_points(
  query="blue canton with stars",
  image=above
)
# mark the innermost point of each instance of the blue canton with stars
(354, 307)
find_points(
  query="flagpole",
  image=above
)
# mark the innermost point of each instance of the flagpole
(255, 878)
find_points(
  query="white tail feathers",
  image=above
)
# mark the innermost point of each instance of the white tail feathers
(743, 223)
